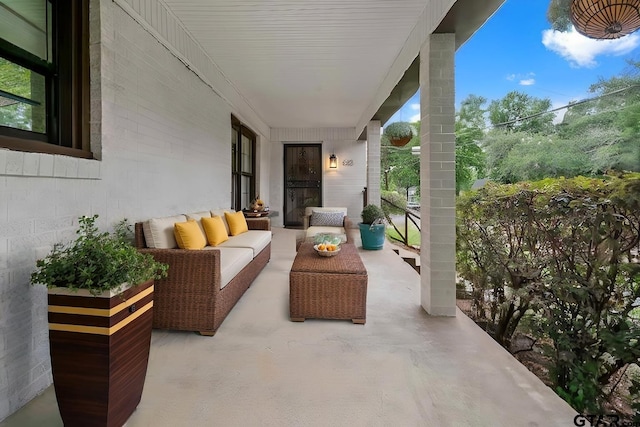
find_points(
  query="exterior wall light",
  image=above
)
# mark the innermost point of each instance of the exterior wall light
(333, 161)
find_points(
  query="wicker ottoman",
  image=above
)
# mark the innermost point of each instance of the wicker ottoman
(328, 287)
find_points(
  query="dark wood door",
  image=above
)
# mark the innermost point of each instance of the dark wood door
(302, 181)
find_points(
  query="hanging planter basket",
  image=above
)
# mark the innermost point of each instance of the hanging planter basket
(605, 19)
(399, 133)
(400, 142)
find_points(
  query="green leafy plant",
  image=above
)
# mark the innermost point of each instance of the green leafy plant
(398, 130)
(97, 261)
(565, 252)
(372, 214)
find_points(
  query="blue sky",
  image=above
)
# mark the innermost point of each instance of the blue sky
(517, 50)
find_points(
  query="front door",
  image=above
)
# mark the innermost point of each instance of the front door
(302, 181)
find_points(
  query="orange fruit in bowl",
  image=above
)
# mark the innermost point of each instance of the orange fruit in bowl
(322, 247)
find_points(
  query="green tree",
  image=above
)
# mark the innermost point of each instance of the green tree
(558, 14)
(400, 168)
(607, 127)
(470, 159)
(535, 157)
(519, 112)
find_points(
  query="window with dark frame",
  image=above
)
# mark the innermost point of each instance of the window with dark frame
(44, 76)
(243, 161)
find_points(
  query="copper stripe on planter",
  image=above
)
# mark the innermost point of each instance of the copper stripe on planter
(98, 330)
(104, 312)
(103, 321)
(99, 315)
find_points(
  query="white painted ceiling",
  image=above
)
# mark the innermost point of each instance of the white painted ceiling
(302, 63)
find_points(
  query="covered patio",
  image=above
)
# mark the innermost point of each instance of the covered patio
(402, 368)
(168, 94)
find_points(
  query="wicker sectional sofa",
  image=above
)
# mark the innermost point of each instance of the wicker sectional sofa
(203, 285)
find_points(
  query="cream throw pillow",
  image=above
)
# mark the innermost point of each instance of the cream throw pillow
(158, 232)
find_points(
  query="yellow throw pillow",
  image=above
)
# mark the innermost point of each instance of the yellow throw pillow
(237, 223)
(215, 230)
(188, 235)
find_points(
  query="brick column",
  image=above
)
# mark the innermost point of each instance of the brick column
(373, 162)
(438, 175)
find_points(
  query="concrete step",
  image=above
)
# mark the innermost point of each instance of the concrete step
(411, 258)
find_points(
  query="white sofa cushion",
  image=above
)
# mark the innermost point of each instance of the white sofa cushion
(256, 240)
(197, 216)
(232, 261)
(158, 232)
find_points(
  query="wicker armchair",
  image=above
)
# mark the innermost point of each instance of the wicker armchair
(346, 229)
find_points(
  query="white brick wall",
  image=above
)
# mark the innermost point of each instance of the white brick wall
(163, 137)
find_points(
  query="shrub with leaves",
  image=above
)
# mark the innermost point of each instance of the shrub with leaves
(497, 253)
(372, 214)
(566, 250)
(97, 261)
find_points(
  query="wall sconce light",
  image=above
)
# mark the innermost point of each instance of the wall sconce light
(333, 161)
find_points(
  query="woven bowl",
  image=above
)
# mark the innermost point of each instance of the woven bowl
(325, 252)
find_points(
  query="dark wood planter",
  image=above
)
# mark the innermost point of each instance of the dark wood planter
(99, 353)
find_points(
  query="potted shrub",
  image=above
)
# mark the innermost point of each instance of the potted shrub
(100, 317)
(399, 133)
(372, 227)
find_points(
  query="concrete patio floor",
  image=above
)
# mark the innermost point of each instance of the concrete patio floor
(403, 368)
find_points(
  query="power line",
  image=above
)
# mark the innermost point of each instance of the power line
(572, 104)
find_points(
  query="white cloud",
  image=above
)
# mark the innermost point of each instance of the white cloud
(582, 51)
(414, 118)
(522, 79)
(415, 106)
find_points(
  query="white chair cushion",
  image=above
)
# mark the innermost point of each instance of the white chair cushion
(232, 261)
(158, 232)
(256, 240)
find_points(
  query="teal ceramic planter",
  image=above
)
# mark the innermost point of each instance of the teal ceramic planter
(372, 237)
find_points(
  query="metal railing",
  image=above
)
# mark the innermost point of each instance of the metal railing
(408, 216)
